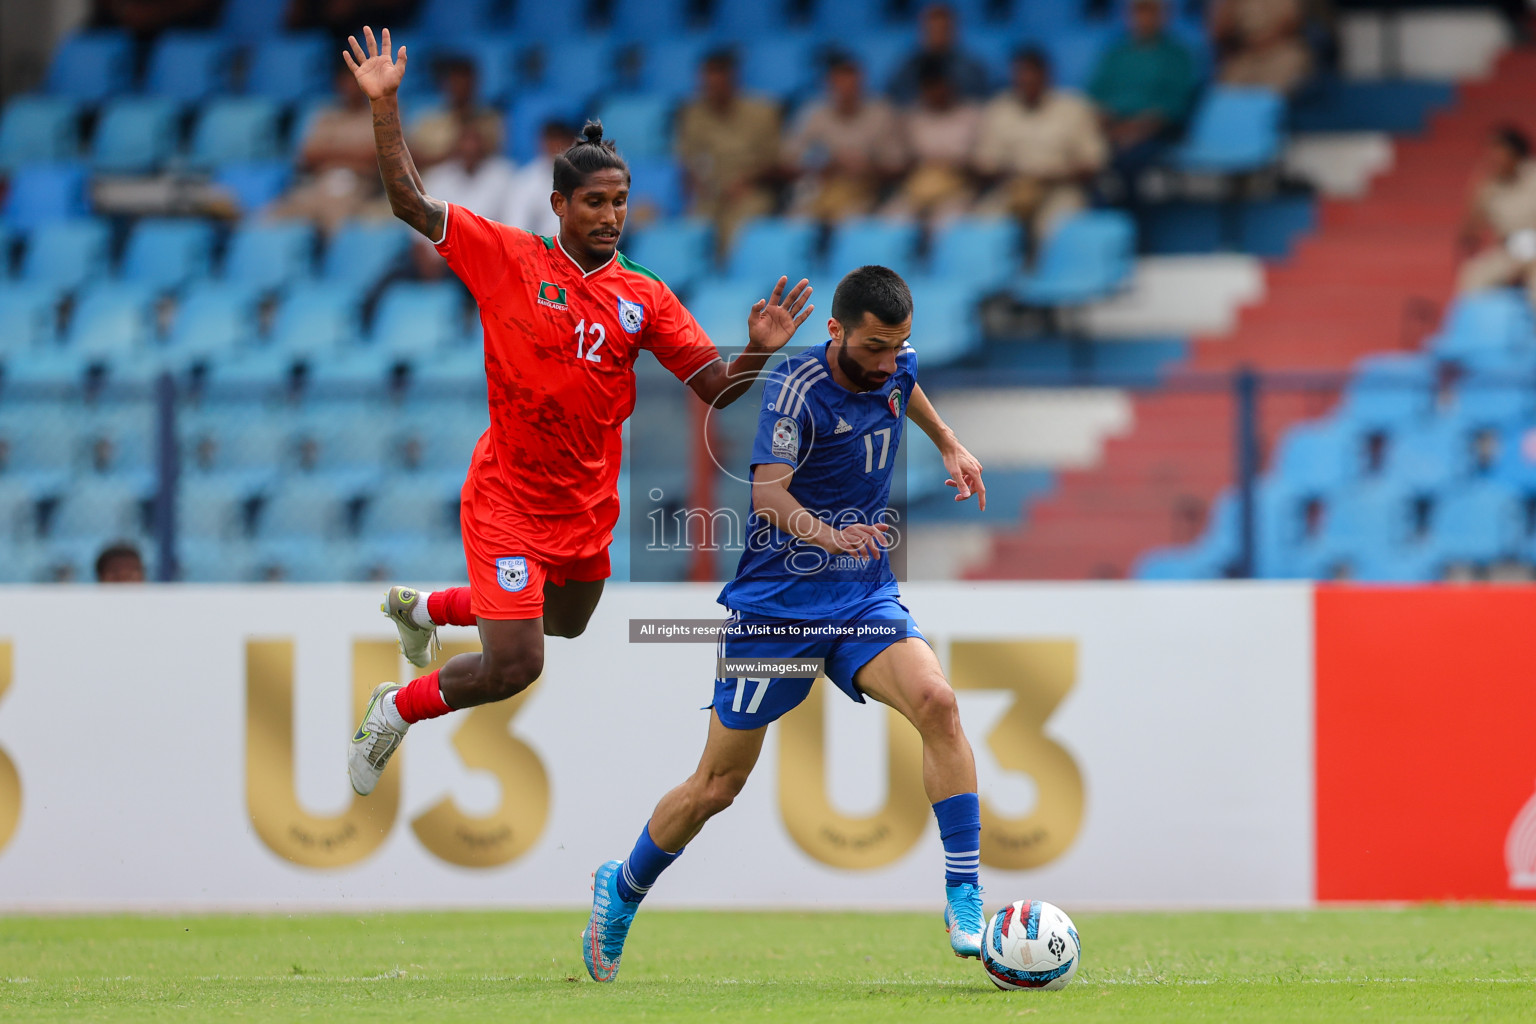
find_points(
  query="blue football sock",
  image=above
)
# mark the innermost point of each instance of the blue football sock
(960, 828)
(645, 864)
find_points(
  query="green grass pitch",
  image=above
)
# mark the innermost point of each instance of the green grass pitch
(1425, 963)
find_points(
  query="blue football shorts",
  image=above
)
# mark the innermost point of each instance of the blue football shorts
(750, 703)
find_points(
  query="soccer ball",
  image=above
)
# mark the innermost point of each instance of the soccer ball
(1030, 944)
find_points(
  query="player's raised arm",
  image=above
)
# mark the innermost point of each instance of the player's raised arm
(771, 500)
(963, 467)
(770, 325)
(379, 77)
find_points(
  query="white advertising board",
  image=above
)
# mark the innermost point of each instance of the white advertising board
(183, 747)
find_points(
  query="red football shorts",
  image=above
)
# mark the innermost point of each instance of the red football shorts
(511, 554)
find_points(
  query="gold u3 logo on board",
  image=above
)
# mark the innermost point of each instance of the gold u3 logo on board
(10, 779)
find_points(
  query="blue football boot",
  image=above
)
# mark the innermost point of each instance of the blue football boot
(602, 943)
(963, 918)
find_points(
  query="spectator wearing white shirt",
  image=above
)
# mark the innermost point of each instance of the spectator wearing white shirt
(528, 206)
(474, 177)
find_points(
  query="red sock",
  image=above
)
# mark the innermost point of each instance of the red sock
(450, 607)
(421, 698)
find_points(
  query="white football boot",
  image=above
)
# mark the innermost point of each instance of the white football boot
(418, 644)
(374, 743)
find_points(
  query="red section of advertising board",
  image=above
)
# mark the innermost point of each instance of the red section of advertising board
(1426, 743)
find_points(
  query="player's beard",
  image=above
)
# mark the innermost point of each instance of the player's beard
(860, 377)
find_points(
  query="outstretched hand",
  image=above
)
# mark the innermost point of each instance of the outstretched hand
(965, 475)
(774, 320)
(376, 74)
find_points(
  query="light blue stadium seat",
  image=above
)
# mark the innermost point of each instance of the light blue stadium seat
(655, 186)
(30, 315)
(1234, 129)
(1516, 462)
(362, 252)
(1075, 55)
(40, 193)
(752, 22)
(1478, 522)
(439, 19)
(780, 64)
(677, 251)
(211, 506)
(1389, 391)
(641, 123)
(770, 247)
(549, 21)
(670, 66)
(720, 305)
(879, 53)
(39, 128)
(111, 321)
(1428, 456)
(1485, 324)
(65, 254)
(253, 19)
(188, 66)
(167, 253)
(414, 318)
(1088, 257)
(214, 320)
(315, 317)
(529, 113)
(270, 255)
(1316, 457)
(458, 370)
(345, 369)
(233, 437)
(890, 243)
(95, 507)
(576, 66)
(91, 66)
(235, 129)
(136, 135)
(425, 562)
(648, 20)
(494, 56)
(310, 505)
(342, 435)
(254, 185)
(982, 253)
(1187, 562)
(302, 559)
(1363, 522)
(945, 327)
(289, 68)
(412, 506)
(848, 18)
(1487, 400)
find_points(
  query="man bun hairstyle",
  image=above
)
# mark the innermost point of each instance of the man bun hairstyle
(590, 154)
(871, 289)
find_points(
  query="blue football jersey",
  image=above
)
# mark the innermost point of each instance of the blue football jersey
(842, 445)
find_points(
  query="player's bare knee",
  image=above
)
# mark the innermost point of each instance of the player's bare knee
(935, 712)
(717, 792)
(562, 628)
(511, 675)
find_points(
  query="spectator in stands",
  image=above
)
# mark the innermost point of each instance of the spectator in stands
(342, 17)
(844, 148)
(940, 133)
(1503, 209)
(941, 41)
(435, 134)
(148, 18)
(728, 145)
(1144, 85)
(1261, 42)
(341, 175)
(476, 178)
(529, 207)
(1038, 147)
(119, 563)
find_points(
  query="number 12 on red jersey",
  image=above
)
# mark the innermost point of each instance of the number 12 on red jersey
(598, 335)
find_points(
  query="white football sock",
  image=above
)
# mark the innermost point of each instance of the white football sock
(419, 614)
(392, 713)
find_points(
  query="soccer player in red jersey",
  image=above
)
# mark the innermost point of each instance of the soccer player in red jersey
(564, 319)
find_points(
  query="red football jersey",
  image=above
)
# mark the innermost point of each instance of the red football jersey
(560, 350)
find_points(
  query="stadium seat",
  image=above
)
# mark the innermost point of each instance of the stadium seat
(770, 247)
(670, 66)
(224, 437)
(341, 435)
(361, 253)
(111, 321)
(751, 22)
(641, 123)
(41, 193)
(655, 188)
(1478, 523)
(290, 68)
(410, 507)
(531, 20)
(136, 135)
(1362, 523)
(848, 18)
(1483, 400)
(214, 320)
(313, 317)
(1075, 54)
(579, 67)
(495, 58)
(1427, 456)
(339, 371)
(311, 505)
(529, 113)
(231, 129)
(781, 64)
(270, 255)
(91, 66)
(879, 53)
(166, 254)
(253, 185)
(1088, 258)
(677, 251)
(438, 19)
(93, 507)
(457, 370)
(1486, 323)
(298, 559)
(415, 318)
(38, 129)
(944, 324)
(861, 241)
(65, 254)
(440, 561)
(981, 253)
(253, 19)
(1388, 391)
(648, 20)
(212, 506)
(1234, 129)
(721, 306)
(1316, 457)
(188, 66)
(30, 315)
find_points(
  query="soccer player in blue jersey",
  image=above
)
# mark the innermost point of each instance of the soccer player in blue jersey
(816, 557)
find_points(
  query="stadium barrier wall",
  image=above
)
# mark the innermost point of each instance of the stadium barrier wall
(182, 747)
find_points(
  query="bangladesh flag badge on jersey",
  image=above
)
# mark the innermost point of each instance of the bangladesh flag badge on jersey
(552, 295)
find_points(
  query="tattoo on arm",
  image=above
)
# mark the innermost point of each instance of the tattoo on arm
(402, 183)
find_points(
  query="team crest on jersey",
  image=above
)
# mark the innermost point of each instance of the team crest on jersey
(512, 573)
(895, 402)
(786, 439)
(552, 295)
(631, 316)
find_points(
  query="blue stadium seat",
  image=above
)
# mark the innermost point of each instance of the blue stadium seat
(848, 19)
(1088, 258)
(770, 247)
(982, 253)
(341, 370)
(1362, 523)
(301, 559)
(166, 253)
(411, 508)
(438, 19)
(289, 68)
(67, 253)
(188, 66)
(30, 315)
(253, 19)
(880, 54)
(1389, 391)
(212, 506)
(430, 561)
(38, 129)
(677, 251)
(342, 435)
(1234, 129)
(780, 64)
(270, 255)
(751, 22)
(112, 320)
(1478, 522)
(527, 117)
(459, 369)
(313, 505)
(580, 67)
(225, 438)
(416, 318)
(495, 58)
(313, 317)
(944, 322)
(1492, 401)
(235, 128)
(531, 20)
(655, 187)
(1427, 456)
(648, 20)
(253, 185)
(858, 242)
(41, 193)
(94, 507)
(362, 252)
(641, 124)
(1316, 457)
(91, 66)
(1486, 324)
(1075, 55)
(721, 307)
(1044, 20)
(214, 320)
(670, 66)
(136, 135)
